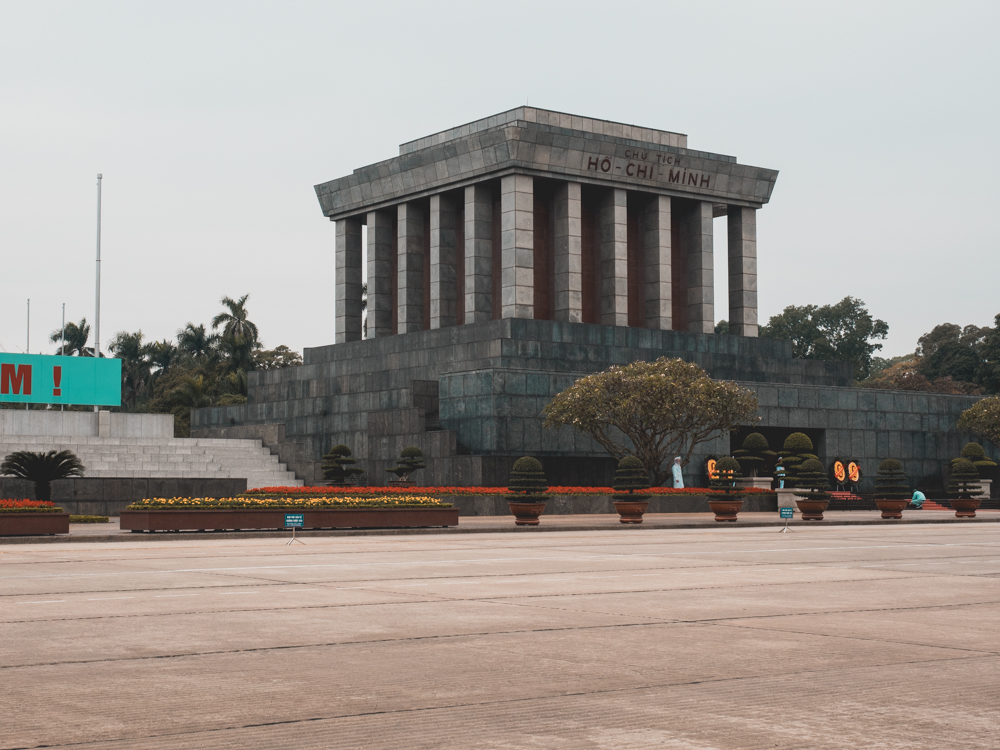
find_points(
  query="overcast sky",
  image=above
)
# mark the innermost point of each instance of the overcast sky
(212, 121)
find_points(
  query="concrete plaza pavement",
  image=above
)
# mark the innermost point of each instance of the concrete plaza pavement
(829, 637)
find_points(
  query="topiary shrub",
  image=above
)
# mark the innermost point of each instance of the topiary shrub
(811, 477)
(890, 482)
(631, 476)
(338, 466)
(42, 469)
(754, 454)
(727, 470)
(983, 463)
(963, 484)
(410, 460)
(527, 480)
(796, 449)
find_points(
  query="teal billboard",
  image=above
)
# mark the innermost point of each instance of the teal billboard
(45, 379)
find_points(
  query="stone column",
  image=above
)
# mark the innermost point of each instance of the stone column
(614, 258)
(742, 225)
(410, 267)
(380, 252)
(478, 254)
(697, 237)
(347, 283)
(655, 232)
(517, 212)
(444, 290)
(568, 246)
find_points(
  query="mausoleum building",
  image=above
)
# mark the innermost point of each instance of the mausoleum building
(508, 257)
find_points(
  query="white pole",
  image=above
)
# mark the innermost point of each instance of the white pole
(62, 348)
(97, 292)
(27, 343)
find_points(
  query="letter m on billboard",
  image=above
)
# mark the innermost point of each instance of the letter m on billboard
(44, 379)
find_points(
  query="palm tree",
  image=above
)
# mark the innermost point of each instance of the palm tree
(162, 354)
(235, 322)
(136, 365)
(192, 392)
(238, 353)
(197, 342)
(76, 335)
(42, 469)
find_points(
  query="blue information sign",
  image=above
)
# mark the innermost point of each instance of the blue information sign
(294, 520)
(785, 513)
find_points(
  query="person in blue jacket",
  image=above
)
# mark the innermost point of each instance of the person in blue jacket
(918, 500)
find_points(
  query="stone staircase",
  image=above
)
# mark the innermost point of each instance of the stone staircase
(152, 457)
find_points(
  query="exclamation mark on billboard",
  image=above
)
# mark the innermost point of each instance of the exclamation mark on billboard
(57, 380)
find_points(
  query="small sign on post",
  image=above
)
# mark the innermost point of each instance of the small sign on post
(294, 521)
(786, 513)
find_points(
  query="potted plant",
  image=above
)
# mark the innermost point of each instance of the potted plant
(338, 466)
(983, 463)
(631, 477)
(796, 449)
(813, 497)
(892, 493)
(726, 506)
(963, 488)
(527, 484)
(42, 469)
(410, 460)
(753, 458)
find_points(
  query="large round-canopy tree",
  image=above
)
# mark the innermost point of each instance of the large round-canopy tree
(652, 410)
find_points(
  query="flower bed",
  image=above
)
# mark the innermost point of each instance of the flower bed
(362, 491)
(182, 513)
(32, 518)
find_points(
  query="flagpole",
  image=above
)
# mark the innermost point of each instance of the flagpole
(97, 291)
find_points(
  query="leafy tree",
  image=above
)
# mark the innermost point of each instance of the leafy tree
(235, 321)
(722, 327)
(843, 332)
(196, 342)
(906, 376)
(76, 335)
(42, 469)
(796, 450)
(338, 466)
(982, 419)
(983, 463)
(652, 410)
(136, 366)
(754, 454)
(272, 359)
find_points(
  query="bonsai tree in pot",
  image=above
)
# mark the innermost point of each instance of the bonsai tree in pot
(338, 466)
(42, 469)
(815, 497)
(983, 463)
(892, 492)
(527, 485)
(963, 488)
(796, 449)
(753, 458)
(726, 506)
(631, 477)
(410, 460)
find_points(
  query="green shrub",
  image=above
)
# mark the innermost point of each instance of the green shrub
(811, 477)
(727, 470)
(338, 466)
(754, 454)
(890, 482)
(42, 469)
(88, 519)
(796, 449)
(410, 460)
(983, 463)
(963, 484)
(630, 476)
(528, 479)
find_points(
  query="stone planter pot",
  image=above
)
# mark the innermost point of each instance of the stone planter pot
(725, 510)
(219, 519)
(526, 513)
(966, 508)
(630, 511)
(891, 508)
(33, 524)
(812, 510)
